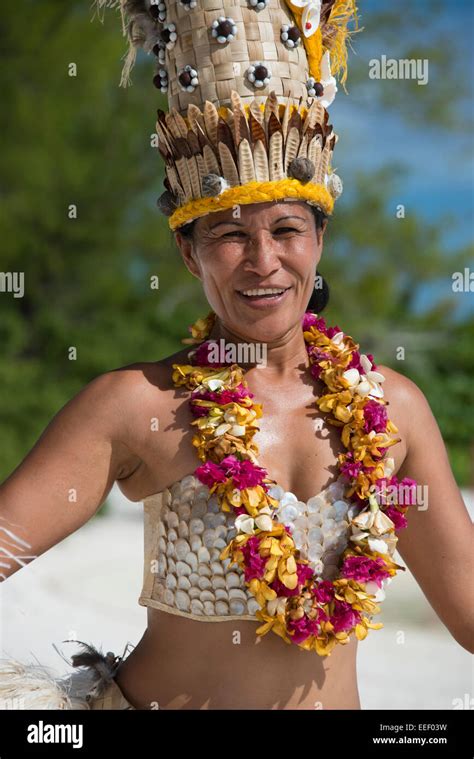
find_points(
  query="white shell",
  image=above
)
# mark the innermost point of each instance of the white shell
(195, 543)
(197, 606)
(237, 606)
(203, 555)
(196, 526)
(334, 185)
(183, 602)
(182, 569)
(194, 578)
(222, 608)
(192, 560)
(232, 580)
(207, 595)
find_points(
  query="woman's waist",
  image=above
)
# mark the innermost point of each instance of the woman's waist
(186, 664)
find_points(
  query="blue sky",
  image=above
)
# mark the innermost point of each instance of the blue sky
(440, 161)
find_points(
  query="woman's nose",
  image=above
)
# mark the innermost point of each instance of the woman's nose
(262, 252)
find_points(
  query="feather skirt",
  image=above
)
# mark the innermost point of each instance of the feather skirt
(91, 686)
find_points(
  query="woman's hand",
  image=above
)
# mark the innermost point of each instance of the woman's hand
(437, 544)
(67, 475)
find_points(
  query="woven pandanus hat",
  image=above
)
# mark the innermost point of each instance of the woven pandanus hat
(248, 84)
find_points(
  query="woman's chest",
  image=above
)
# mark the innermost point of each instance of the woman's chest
(295, 442)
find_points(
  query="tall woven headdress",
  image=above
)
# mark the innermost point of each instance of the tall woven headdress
(248, 83)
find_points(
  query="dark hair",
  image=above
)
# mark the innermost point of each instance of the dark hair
(320, 295)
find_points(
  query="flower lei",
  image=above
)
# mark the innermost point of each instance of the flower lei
(305, 610)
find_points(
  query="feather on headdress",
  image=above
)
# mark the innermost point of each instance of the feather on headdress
(248, 83)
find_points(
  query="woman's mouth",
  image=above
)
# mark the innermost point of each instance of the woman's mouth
(264, 296)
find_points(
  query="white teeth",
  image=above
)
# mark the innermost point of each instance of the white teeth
(264, 291)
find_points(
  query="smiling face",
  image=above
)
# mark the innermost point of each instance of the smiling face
(269, 245)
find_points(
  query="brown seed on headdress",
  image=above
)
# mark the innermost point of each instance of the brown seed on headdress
(301, 168)
(294, 33)
(185, 78)
(167, 203)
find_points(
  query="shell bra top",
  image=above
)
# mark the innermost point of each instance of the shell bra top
(185, 531)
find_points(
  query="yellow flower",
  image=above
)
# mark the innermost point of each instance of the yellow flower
(201, 328)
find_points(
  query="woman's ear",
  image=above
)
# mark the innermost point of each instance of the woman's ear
(321, 230)
(185, 246)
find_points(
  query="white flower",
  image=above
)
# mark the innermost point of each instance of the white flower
(358, 536)
(364, 520)
(377, 544)
(238, 430)
(264, 522)
(221, 429)
(365, 384)
(382, 524)
(338, 339)
(213, 384)
(245, 523)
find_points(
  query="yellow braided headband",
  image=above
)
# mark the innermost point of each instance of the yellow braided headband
(253, 192)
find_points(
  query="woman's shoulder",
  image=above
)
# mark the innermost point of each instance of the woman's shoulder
(408, 405)
(134, 383)
(400, 387)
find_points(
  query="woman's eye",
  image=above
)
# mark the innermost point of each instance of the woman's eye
(280, 231)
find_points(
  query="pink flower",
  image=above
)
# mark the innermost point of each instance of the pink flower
(222, 397)
(311, 320)
(245, 474)
(200, 355)
(324, 592)
(405, 490)
(254, 563)
(398, 519)
(331, 331)
(375, 415)
(315, 371)
(350, 468)
(209, 473)
(344, 616)
(407, 498)
(355, 362)
(302, 629)
(198, 411)
(364, 569)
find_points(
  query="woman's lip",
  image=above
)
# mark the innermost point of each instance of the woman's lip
(262, 301)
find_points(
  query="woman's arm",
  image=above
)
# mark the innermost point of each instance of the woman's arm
(67, 475)
(437, 544)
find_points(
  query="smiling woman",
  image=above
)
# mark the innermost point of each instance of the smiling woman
(269, 537)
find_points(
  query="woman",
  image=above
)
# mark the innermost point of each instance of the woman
(321, 399)
(103, 435)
